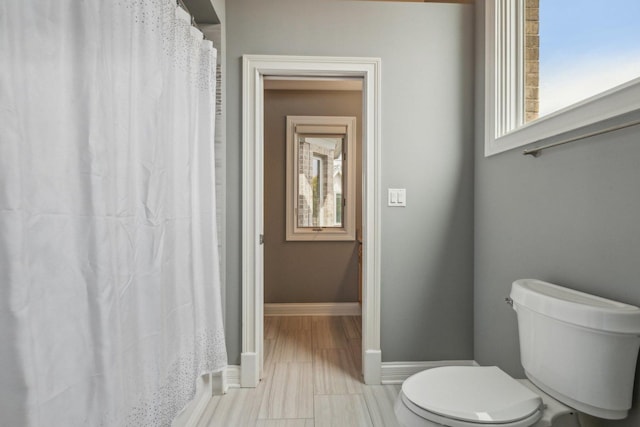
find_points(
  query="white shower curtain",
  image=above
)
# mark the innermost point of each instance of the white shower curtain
(109, 273)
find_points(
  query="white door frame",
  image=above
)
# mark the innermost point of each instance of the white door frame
(255, 68)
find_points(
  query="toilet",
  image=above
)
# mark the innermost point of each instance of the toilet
(579, 354)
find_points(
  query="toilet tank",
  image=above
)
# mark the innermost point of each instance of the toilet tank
(579, 348)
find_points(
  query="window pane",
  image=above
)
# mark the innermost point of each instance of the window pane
(320, 175)
(586, 47)
(317, 186)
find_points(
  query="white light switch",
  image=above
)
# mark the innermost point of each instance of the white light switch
(397, 197)
(401, 197)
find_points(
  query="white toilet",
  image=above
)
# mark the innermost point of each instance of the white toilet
(579, 354)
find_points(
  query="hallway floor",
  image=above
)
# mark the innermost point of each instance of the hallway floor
(311, 379)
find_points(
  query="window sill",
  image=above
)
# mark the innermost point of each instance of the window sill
(618, 106)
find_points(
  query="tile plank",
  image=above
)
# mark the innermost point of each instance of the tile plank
(271, 327)
(207, 414)
(286, 423)
(355, 351)
(380, 400)
(293, 345)
(269, 356)
(335, 373)
(295, 323)
(341, 411)
(328, 332)
(239, 407)
(290, 394)
(352, 326)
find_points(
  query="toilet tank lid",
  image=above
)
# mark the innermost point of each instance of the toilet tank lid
(575, 307)
(479, 394)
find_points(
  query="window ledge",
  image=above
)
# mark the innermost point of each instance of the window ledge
(617, 105)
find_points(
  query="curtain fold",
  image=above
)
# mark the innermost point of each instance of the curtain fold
(109, 273)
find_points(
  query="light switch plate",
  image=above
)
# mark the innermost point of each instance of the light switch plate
(397, 197)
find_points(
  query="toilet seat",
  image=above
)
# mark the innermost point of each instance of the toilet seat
(462, 396)
(413, 416)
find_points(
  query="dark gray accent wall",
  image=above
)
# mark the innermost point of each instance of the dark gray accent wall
(427, 148)
(305, 271)
(571, 217)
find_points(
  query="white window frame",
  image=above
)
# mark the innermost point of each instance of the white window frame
(504, 112)
(344, 127)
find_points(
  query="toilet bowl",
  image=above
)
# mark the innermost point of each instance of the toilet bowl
(579, 354)
(473, 396)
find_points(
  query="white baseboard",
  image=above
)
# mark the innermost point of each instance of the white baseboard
(249, 370)
(371, 369)
(397, 372)
(219, 383)
(233, 376)
(313, 309)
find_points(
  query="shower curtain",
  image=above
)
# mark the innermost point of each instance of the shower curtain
(109, 273)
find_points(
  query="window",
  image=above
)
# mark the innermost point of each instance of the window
(320, 178)
(538, 84)
(594, 51)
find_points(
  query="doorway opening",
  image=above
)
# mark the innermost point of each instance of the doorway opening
(256, 70)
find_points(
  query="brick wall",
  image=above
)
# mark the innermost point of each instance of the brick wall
(531, 60)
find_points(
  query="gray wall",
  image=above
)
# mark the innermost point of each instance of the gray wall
(427, 137)
(571, 217)
(320, 271)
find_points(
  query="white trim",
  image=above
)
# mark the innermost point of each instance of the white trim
(505, 131)
(250, 369)
(313, 309)
(508, 51)
(255, 68)
(372, 366)
(252, 224)
(219, 382)
(397, 372)
(232, 377)
(305, 83)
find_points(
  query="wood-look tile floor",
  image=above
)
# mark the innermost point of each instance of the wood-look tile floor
(312, 378)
